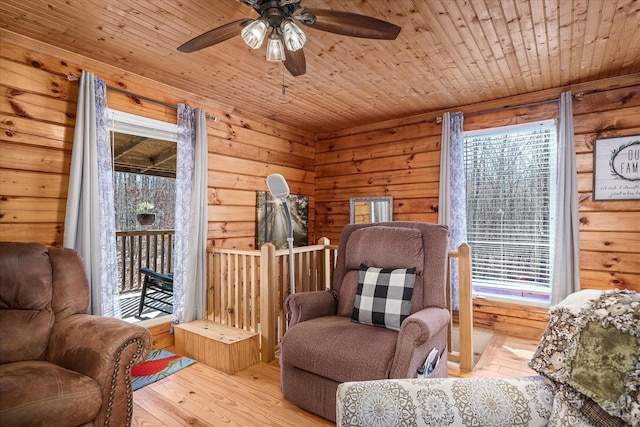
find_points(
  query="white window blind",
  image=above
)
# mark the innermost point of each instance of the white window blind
(510, 174)
(132, 124)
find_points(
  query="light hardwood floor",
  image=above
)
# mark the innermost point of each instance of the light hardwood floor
(504, 356)
(202, 396)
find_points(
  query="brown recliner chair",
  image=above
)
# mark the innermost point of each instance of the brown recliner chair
(58, 365)
(324, 347)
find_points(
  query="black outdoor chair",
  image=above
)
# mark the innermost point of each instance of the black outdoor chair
(157, 291)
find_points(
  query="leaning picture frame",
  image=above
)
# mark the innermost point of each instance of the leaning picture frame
(616, 168)
(271, 224)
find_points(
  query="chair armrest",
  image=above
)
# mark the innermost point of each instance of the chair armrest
(460, 401)
(424, 324)
(159, 276)
(309, 305)
(104, 349)
(419, 333)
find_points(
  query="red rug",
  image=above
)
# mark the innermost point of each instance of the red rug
(159, 364)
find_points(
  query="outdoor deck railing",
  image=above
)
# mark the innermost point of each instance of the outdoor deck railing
(246, 289)
(137, 249)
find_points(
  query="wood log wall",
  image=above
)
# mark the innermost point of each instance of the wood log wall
(38, 107)
(398, 158)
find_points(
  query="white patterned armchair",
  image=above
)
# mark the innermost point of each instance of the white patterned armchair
(589, 365)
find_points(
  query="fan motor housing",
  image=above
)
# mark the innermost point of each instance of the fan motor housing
(274, 13)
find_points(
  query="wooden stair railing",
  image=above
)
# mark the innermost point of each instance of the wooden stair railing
(246, 290)
(465, 308)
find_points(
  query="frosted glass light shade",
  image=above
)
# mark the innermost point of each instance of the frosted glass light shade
(254, 33)
(275, 48)
(294, 37)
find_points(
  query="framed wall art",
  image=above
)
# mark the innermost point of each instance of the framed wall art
(616, 168)
(271, 221)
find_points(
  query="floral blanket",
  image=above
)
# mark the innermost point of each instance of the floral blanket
(591, 351)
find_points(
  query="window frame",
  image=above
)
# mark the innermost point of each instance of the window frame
(132, 124)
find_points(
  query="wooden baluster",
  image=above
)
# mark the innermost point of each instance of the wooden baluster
(465, 303)
(268, 302)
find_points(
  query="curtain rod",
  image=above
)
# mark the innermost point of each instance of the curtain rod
(74, 77)
(508, 107)
(146, 98)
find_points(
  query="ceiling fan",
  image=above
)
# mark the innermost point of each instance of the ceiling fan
(287, 39)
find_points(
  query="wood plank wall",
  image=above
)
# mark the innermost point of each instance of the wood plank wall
(398, 158)
(401, 158)
(37, 117)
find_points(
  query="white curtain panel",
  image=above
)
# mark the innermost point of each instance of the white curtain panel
(189, 280)
(566, 245)
(452, 205)
(89, 225)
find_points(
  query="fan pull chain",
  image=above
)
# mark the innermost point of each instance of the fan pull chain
(284, 88)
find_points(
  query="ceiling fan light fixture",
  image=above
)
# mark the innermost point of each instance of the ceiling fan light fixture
(254, 33)
(275, 48)
(287, 39)
(294, 37)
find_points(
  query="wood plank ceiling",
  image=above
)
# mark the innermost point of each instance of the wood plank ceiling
(449, 52)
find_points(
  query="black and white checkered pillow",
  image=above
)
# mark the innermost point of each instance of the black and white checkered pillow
(384, 296)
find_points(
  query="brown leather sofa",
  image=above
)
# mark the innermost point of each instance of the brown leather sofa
(58, 365)
(324, 347)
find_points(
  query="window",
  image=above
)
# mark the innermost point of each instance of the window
(510, 174)
(144, 163)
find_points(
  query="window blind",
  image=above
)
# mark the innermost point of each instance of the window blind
(131, 124)
(510, 175)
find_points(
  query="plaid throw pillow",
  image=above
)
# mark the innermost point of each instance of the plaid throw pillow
(383, 297)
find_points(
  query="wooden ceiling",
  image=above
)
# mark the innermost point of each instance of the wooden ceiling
(449, 52)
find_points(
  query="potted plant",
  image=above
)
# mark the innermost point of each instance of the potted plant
(145, 215)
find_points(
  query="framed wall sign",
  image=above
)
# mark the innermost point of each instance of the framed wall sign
(616, 168)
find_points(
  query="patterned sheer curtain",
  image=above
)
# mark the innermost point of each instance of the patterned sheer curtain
(566, 255)
(189, 280)
(452, 205)
(89, 225)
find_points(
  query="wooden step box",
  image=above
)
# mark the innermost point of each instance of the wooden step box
(222, 347)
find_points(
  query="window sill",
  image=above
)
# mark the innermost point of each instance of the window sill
(534, 302)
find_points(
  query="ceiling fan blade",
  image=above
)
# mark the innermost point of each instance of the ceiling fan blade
(214, 36)
(295, 62)
(351, 24)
